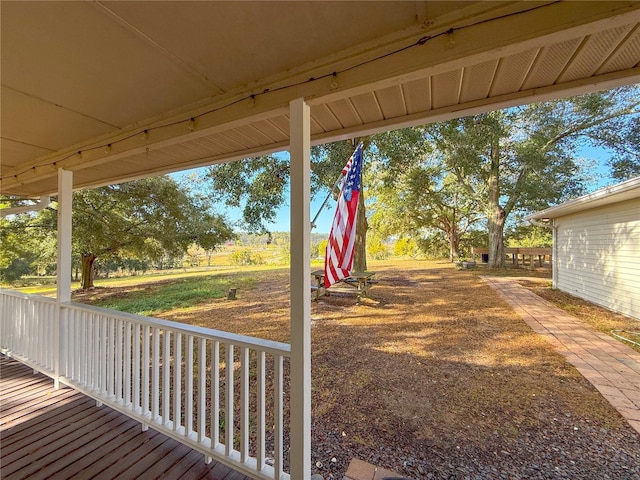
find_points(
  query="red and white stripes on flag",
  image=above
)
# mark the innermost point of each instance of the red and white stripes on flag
(338, 260)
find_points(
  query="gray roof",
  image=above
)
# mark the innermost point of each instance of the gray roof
(620, 192)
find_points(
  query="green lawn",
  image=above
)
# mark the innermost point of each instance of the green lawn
(184, 292)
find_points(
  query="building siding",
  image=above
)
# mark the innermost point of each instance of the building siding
(598, 256)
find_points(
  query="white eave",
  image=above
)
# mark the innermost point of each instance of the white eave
(614, 194)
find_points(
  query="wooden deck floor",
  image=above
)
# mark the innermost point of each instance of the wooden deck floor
(61, 434)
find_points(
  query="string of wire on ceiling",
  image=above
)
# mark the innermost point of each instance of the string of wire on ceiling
(190, 122)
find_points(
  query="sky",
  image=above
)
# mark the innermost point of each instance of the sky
(325, 218)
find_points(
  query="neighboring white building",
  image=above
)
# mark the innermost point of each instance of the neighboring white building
(596, 246)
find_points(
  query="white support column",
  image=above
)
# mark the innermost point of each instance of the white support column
(300, 132)
(65, 203)
(554, 254)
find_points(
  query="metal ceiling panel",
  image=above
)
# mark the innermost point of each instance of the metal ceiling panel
(75, 51)
(282, 121)
(226, 41)
(14, 153)
(391, 101)
(445, 88)
(512, 71)
(227, 140)
(626, 55)
(44, 125)
(368, 107)
(477, 80)
(417, 95)
(255, 135)
(271, 131)
(325, 118)
(550, 63)
(316, 129)
(345, 112)
(593, 52)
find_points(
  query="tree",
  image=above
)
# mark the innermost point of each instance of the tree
(27, 246)
(525, 158)
(259, 186)
(527, 235)
(421, 198)
(143, 219)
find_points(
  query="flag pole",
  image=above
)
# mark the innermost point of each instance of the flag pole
(335, 185)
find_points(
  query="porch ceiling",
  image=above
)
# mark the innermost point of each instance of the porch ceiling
(121, 90)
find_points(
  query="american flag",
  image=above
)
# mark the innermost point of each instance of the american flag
(338, 260)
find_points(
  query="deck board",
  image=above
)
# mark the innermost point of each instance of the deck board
(61, 434)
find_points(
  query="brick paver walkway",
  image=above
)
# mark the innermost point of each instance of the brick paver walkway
(611, 366)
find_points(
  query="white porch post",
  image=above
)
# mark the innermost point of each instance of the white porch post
(300, 453)
(554, 254)
(63, 280)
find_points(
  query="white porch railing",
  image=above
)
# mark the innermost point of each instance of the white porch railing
(219, 393)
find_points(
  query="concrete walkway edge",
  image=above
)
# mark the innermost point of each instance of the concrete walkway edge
(611, 366)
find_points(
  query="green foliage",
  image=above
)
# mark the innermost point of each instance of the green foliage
(472, 238)
(527, 235)
(27, 247)
(421, 195)
(14, 270)
(245, 256)
(434, 245)
(620, 132)
(257, 185)
(148, 219)
(376, 248)
(405, 247)
(322, 248)
(145, 218)
(124, 226)
(183, 293)
(285, 254)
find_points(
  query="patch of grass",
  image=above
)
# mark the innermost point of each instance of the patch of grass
(132, 281)
(598, 317)
(176, 294)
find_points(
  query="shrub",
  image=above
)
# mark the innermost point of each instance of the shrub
(245, 256)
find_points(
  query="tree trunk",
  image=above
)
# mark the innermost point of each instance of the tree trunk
(454, 245)
(495, 213)
(360, 247)
(496, 238)
(360, 254)
(87, 271)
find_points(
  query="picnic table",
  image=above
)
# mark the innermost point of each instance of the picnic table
(358, 283)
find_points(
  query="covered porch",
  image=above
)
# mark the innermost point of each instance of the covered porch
(105, 92)
(48, 432)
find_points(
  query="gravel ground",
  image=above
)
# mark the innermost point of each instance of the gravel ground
(570, 449)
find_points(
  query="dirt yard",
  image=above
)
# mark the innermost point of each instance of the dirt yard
(435, 377)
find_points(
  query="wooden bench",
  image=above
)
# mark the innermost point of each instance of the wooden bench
(541, 252)
(358, 283)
